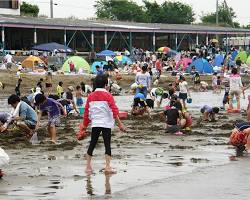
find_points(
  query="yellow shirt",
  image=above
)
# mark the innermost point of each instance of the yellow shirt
(59, 90)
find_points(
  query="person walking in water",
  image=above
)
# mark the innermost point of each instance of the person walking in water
(102, 112)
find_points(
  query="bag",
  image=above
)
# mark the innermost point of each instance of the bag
(189, 100)
(238, 138)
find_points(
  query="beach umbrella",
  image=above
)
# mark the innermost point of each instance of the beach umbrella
(106, 53)
(53, 46)
(79, 62)
(123, 60)
(164, 49)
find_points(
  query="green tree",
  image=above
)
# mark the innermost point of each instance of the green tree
(29, 9)
(226, 16)
(123, 10)
(127, 10)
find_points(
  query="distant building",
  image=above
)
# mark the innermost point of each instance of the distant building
(10, 7)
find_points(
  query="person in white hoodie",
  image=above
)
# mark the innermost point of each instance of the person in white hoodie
(236, 88)
(4, 160)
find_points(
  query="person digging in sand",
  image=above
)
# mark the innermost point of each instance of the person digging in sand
(100, 111)
(53, 108)
(24, 116)
(4, 159)
(208, 113)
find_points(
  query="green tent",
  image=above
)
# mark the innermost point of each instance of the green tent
(248, 60)
(242, 55)
(80, 63)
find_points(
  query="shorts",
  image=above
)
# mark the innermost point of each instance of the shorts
(79, 102)
(235, 93)
(183, 96)
(48, 85)
(173, 129)
(54, 121)
(30, 124)
(197, 82)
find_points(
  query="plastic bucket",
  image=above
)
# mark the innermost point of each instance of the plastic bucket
(123, 115)
(81, 110)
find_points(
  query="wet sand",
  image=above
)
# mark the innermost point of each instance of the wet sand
(142, 156)
(150, 163)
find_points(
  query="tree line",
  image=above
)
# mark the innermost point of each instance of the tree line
(168, 12)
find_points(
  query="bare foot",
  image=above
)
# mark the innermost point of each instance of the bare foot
(109, 170)
(88, 170)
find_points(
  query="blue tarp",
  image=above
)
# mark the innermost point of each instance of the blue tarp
(219, 58)
(99, 63)
(202, 66)
(106, 53)
(52, 47)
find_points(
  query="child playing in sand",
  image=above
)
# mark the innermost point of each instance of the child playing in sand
(240, 137)
(102, 112)
(59, 89)
(139, 106)
(53, 108)
(17, 88)
(226, 94)
(5, 120)
(214, 82)
(24, 115)
(172, 120)
(4, 160)
(79, 96)
(208, 113)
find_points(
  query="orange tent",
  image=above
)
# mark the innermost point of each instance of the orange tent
(32, 62)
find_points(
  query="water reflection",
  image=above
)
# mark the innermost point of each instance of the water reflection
(90, 189)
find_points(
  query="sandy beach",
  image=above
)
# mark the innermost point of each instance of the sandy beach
(150, 163)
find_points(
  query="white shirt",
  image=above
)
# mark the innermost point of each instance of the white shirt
(183, 87)
(8, 58)
(235, 83)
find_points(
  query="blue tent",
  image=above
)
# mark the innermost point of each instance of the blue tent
(53, 46)
(99, 63)
(106, 53)
(202, 66)
(219, 58)
(234, 54)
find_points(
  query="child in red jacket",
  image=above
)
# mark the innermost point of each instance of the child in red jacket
(102, 112)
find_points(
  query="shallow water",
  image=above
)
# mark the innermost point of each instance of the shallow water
(141, 156)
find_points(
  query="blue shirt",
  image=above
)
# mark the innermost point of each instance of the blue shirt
(27, 113)
(51, 106)
(99, 72)
(207, 109)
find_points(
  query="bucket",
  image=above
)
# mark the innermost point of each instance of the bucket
(81, 110)
(189, 100)
(123, 115)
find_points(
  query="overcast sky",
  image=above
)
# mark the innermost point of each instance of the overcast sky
(85, 8)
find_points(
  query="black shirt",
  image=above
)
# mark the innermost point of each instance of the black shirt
(172, 115)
